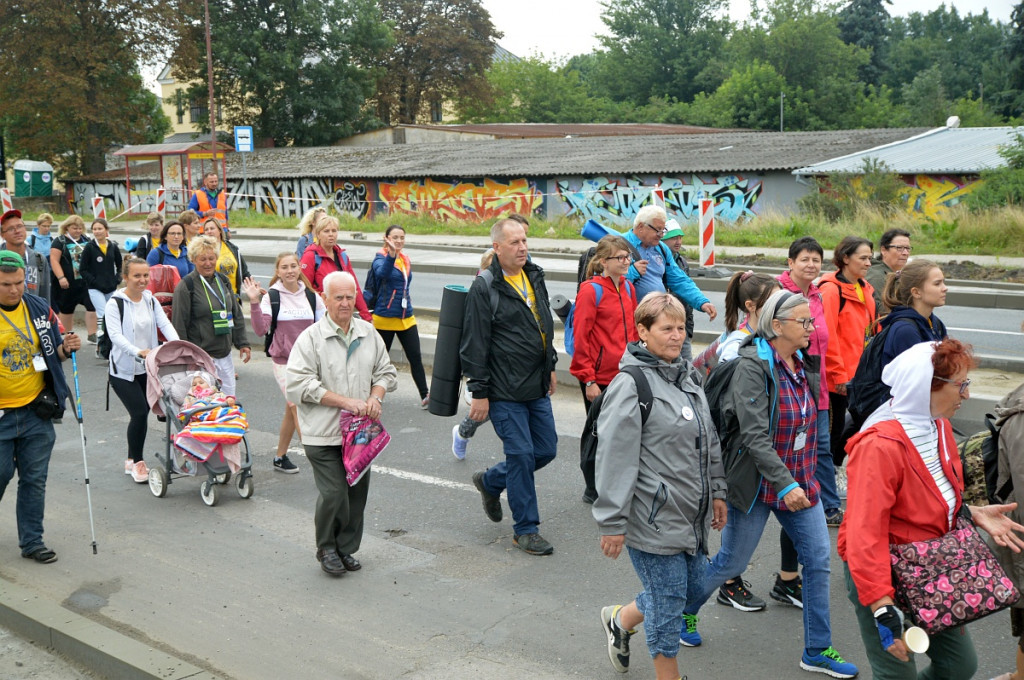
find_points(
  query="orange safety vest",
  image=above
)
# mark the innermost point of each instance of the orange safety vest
(222, 205)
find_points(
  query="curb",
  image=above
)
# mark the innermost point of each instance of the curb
(99, 649)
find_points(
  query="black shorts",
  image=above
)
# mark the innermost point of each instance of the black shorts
(76, 294)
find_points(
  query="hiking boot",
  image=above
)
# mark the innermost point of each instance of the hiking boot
(737, 596)
(618, 639)
(492, 504)
(140, 473)
(283, 464)
(834, 518)
(690, 637)
(532, 544)
(459, 444)
(830, 663)
(788, 592)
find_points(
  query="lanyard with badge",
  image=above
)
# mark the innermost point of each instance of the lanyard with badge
(804, 399)
(405, 287)
(38, 362)
(523, 290)
(222, 319)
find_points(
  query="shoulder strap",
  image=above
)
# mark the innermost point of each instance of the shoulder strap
(839, 292)
(598, 292)
(488, 276)
(190, 283)
(160, 255)
(31, 240)
(344, 260)
(643, 392)
(310, 298)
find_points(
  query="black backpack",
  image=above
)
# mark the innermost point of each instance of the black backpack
(588, 441)
(103, 342)
(715, 388)
(866, 391)
(275, 308)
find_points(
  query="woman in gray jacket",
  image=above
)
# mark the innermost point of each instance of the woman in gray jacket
(660, 483)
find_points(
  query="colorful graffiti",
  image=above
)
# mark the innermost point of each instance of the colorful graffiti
(143, 198)
(617, 201)
(463, 200)
(352, 198)
(932, 196)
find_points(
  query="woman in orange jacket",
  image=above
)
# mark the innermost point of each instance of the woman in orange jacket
(849, 307)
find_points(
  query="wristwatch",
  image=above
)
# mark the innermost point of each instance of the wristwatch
(590, 382)
(380, 400)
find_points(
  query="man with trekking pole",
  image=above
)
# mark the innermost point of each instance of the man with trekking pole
(32, 394)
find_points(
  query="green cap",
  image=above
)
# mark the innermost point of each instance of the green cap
(10, 258)
(672, 229)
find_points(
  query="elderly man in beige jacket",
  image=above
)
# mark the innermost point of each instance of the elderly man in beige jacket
(339, 363)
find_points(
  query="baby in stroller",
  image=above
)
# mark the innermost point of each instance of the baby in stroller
(213, 423)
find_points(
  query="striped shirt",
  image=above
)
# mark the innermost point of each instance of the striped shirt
(927, 444)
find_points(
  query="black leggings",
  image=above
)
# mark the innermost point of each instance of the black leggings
(410, 339)
(132, 394)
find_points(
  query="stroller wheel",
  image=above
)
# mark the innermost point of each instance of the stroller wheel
(209, 493)
(245, 486)
(158, 481)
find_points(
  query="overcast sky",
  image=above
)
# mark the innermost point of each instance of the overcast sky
(563, 28)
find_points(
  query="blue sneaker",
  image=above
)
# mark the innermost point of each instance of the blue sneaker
(459, 444)
(828, 662)
(690, 637)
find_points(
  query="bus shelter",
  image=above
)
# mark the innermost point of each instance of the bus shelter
(182, 166)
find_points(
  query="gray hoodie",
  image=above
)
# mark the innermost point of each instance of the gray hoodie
(656, 484)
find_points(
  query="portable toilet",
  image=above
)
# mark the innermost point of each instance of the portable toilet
(33, 178)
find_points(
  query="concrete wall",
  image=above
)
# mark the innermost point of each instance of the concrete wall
(610, 199)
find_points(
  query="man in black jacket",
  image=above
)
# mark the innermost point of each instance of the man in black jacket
(508, 357)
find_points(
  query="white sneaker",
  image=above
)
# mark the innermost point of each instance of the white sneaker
(128, 465)
(458, 444)
(140, 473)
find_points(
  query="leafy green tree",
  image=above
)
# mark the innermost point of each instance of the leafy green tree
(298, 71)
(659, 48)
(1002, 186)
(442, 50)
(864, 23)
(69, 77)
(924, 100)
(842, 194)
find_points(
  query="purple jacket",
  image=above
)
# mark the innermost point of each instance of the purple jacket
(819, 336)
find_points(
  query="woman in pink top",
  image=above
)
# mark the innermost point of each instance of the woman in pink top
(298, 307)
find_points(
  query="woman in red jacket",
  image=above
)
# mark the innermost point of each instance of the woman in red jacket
(849, 306)
(326, 256)
(905, 485)
(603, 327)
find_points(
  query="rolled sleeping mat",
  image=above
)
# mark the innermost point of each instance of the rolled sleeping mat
(595, 232)
(446, 375)
(560, 305)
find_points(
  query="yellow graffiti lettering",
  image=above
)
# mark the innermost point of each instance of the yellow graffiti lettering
(463, 201)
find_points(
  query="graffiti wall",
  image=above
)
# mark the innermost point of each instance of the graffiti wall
(283, 197)
(354, 198)
(468, 201)
(931, 195)
(616, 200)
(143, 197)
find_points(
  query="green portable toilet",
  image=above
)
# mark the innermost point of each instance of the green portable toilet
(33, 178)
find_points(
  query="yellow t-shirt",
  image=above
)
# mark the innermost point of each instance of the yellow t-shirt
(228, 265)
(393, 323)
(521, 284)
(20, 383)
(102, 247)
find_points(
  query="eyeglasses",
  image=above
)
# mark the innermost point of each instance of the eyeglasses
(16, 227)
(963, 384)
(624, 259)
(807, 323)
(900, 249)
(663, 230)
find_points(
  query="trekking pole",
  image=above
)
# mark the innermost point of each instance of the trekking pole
(85, 461)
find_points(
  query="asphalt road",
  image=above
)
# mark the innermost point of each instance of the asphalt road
(443, 594)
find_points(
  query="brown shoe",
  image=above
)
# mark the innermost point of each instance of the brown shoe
(330, 562)
(350, 562)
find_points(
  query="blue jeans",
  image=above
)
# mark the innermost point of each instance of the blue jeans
(807, 528)
(26, 443)
(825, 472)
(669, 581)
(527, 431)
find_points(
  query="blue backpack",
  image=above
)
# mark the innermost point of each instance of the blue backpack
(570, 320)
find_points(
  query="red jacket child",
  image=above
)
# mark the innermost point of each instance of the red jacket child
(602, 330)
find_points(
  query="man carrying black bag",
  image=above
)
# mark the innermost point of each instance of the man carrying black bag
(32, 393)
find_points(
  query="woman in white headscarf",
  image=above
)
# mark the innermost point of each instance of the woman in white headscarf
(906, 484)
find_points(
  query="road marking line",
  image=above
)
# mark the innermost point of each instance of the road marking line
(426, 479)
(982, 330)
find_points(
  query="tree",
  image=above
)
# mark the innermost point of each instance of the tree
(925, 101)
(298, 71)
(442, 50)
(659, 48)
(843, 194)
(1005, 185)
(865, 23)
(69, 77)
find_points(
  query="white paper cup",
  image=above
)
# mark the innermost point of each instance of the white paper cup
(916, 640)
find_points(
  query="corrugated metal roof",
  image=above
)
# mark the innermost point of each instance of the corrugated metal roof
(172, 148)
(961, 151)
(723, 152)
(512, 130)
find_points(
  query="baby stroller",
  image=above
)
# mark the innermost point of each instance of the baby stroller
(169, 370)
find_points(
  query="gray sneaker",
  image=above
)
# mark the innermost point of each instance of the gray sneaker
(533, 544)
(492, 504)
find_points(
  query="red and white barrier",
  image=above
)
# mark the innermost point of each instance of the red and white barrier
(161, 203)
(658, 196)
(707, 232)
(99, 209)
(5, 200)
